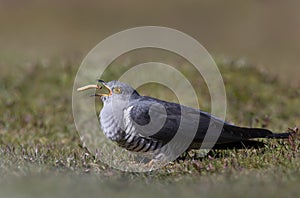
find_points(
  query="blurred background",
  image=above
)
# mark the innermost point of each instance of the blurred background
(263, 33)
(43, 42)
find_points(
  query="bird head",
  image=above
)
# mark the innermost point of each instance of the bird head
(116, 90)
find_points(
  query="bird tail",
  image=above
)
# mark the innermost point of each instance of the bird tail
(245, 144)
(250, 133)
(280, 135)
(242, 137)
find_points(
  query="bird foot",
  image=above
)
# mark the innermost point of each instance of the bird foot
(150, 165)
(294, 130)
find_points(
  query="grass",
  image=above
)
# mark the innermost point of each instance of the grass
(40, 150)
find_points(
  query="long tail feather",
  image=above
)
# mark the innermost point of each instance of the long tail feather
(280, 135)
(250, 133)
(240, 145)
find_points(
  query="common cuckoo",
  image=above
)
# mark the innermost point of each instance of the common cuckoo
(126, 116)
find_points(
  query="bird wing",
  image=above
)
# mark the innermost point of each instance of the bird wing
(193, 122)
(151, 112)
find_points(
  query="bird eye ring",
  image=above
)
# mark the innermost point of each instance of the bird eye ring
(117, 90)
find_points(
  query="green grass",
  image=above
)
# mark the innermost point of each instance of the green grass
(40, 150)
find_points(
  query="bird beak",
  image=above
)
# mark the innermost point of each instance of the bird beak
(96, 87)
(109, 89)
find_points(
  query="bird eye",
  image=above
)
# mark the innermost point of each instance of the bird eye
(117, 90)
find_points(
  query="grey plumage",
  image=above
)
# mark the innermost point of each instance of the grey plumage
(142, 124)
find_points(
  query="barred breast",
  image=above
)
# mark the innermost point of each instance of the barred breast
(138, 143)
(112, 128)
(123, 132)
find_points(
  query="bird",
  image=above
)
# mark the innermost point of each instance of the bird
(145, 124)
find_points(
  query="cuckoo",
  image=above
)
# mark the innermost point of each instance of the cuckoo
(145, 124)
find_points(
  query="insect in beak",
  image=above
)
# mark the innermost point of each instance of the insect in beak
(96, 87)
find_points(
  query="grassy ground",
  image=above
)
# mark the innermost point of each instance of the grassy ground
(40, 150)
